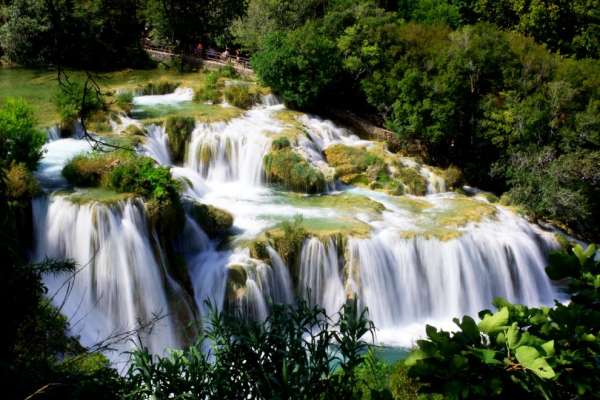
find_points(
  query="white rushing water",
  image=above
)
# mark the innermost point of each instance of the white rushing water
(407, 267)
(120, 285)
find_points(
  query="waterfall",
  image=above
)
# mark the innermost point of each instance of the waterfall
(156, 145)
(120, 283)
(53, 133)
(404, 282)
(178, 96)
(233, 151)
(320, 279)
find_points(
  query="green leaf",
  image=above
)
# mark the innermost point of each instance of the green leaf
(583, 255)
(512, 336)
(487, 356)
(415, 356)
(549, 348)
(494, 322)
(530, 359)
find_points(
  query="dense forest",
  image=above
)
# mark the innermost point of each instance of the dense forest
(506, 92)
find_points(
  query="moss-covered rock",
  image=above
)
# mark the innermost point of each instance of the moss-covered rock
(454, 177)
(98, 195)
(214, 221)
(179, 130)
(440, 233)
(157, 88)
(412, 180)
(280, 143)
(89, 170)
(349, 160)
(287, 168)
(346, 202)
(460, 211)
(240, 95)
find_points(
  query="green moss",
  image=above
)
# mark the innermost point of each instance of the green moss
(346, 202)
(88, 170)
(124, 101)
(287, 168)
(454, 177)
(414, 183)
(157, 88)
(279, 143)
(460, 211)
(491, 197)
(214, 221)
(412, 204)
(349, 160)
(325, 228)
(98, 195)
(240, 96)
(439, 233)
(179, 130)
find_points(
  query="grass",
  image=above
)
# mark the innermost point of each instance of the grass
(97, 195)
(201, 112)
(39, 87)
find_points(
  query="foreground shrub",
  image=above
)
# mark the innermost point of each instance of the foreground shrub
(179, 130)
(20, 140)
(290, 170)
(291, 355)
(20, 182)
(521, 352)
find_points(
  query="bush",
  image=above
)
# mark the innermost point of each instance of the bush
(293, 172)
(125, 101)
(20, 182)
(71, 103)
(20, 140)
(413, 182)
(179, 130)
(89, 170)
(157, 88)
(280, 143)
(518, 351)
(453, 177)
(239, 95)
(288, 356)
(214, 221)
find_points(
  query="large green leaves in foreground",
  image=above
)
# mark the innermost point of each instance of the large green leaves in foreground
(546, 353)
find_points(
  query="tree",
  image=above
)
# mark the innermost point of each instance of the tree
(300, 65)
(184, 23)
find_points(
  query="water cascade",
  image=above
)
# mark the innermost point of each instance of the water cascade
(120, 283)
(411, 260)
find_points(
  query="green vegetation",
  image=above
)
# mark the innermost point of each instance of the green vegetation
(97, 34)
(290, 170)
(20, 140)
(303, 54)
(179, 130)
(298, 338)
(239, 95)
(124, 100)
(97, 195)
(509, 113)
(518, 351)
(156, 88)
(20, 182)
(214, 221)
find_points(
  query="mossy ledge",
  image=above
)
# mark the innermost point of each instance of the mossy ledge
(179, 131)
(285, 167)
(214, 221)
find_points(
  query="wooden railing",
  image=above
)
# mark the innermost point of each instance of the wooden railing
(223, 58)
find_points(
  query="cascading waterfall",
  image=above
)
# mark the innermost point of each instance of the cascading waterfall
(320, 279)
(120, 284)
(231, 151)
(156, 145)
(405, 277)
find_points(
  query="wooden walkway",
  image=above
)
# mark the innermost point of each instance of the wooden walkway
(210, 58)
